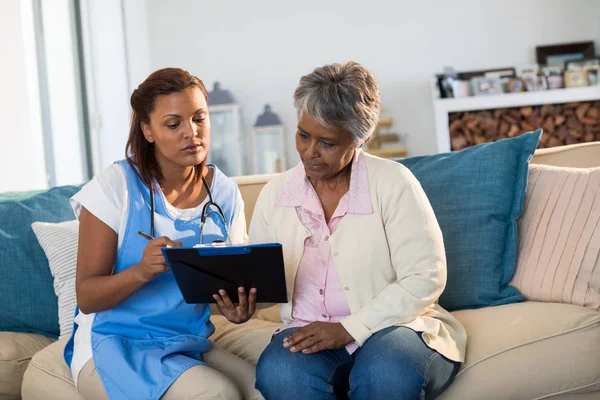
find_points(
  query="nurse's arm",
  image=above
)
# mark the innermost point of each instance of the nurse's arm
(96, 287)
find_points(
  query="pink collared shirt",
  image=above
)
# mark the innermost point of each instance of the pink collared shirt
(318, 292)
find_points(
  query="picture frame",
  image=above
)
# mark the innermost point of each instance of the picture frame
(507, 72)
(575, 79)
(534, 81)
(517, 85)
(574, 65)
(482, 86)
(527, 68)
(558, 54)
(593, 75)
(554, 77)
(461, 88)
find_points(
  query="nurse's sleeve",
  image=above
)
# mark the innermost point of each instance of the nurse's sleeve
(105, 196)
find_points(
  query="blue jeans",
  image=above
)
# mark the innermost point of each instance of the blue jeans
(394, 363)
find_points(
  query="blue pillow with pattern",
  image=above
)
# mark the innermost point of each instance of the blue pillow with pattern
(477, 195)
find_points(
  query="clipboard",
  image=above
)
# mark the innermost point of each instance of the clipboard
(202, 271)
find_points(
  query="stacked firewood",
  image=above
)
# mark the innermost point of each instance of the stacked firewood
(562, 124)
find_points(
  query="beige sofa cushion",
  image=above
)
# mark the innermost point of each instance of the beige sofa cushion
(528, 351)
(16, 350)
(518, 351)
(559, 237)
(246, 341)
(48, 377)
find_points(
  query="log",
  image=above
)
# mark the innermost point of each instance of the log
(504, 127)
(527, 112)
(549, 125)
(582, 110)
(547, 109)
(514, 130)
(594, 113)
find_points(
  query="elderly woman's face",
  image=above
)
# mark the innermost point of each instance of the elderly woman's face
(323, 152)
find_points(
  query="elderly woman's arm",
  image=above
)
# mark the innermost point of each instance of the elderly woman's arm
(417, 253)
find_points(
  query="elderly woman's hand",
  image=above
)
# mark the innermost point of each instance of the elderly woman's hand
(318, 336)
(237, 313)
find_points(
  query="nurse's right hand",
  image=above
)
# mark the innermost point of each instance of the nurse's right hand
(153, 262)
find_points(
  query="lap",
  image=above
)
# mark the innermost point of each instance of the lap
(275, 354)
(283, 374)
(225, 376)
(391, 362)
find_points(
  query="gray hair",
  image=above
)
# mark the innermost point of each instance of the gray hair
(341, 96)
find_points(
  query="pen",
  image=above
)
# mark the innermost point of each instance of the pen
(145, 235)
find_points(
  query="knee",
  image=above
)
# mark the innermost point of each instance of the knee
(273, 372)
(381, 378)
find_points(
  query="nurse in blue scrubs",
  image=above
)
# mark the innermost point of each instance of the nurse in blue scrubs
(134, 336)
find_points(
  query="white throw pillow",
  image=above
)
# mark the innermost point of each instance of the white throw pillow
(59, 242)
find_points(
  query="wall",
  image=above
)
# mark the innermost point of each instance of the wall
(138, 45)
(106, 65)
(260, 49)
(21, 144)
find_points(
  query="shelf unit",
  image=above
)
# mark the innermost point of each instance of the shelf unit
(442, 107)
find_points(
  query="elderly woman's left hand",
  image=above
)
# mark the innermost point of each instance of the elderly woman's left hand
(318, 336)
(240, 312)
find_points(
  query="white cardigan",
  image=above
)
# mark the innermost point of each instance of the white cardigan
(392, 262)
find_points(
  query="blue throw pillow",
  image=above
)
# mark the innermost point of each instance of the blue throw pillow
(28, 300)
(477, 195)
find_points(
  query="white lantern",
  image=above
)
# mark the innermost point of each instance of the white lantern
(268, 146)
(225, 136)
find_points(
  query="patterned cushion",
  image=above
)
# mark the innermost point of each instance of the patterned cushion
(59, 242)
(477, 195)
(28, 300)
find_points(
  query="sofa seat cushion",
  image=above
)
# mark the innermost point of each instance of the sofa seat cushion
(16, 350)
(528, 351)
(246, 341)
(48, 377)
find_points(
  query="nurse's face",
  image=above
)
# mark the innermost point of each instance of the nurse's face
(179, 128)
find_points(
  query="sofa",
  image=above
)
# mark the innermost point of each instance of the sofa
(526, 350)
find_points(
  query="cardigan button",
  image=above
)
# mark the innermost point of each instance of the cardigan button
(346, 288)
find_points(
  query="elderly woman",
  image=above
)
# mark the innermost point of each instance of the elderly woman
(364, 259)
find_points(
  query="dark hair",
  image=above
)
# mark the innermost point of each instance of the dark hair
(138, 151)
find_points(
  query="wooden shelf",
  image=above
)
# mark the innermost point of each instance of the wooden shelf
(557, 96)
(442, 107)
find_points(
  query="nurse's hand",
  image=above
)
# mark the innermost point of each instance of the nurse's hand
(153, 262)
(237, 313)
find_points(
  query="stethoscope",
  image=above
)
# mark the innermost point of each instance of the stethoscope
(205, 213)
